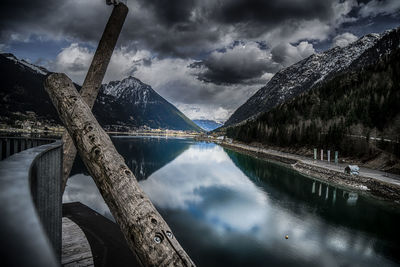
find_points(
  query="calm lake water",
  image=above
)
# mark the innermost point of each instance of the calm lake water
(229, 209)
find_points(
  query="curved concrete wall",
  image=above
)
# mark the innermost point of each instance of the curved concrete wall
(30, 207)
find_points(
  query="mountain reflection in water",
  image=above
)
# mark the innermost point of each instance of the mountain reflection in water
(231, 209)
(143, 155)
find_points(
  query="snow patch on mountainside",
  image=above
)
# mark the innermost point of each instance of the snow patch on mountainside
(317, 67)
(309, 72)
(132, 90)
(120, 105)
(26, 64)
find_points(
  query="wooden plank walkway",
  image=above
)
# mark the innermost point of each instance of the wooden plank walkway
(108, 245)
(75, 250)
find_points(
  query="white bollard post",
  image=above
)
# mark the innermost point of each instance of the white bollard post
(336, 157)
(322, 154)
(329, 156)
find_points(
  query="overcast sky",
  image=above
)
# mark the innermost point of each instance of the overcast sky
(207, 57)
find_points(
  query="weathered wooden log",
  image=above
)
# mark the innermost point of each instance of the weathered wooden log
(146, 232)
(94, 77)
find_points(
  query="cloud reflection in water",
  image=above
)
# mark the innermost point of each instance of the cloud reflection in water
(214, 187)
(223, 218)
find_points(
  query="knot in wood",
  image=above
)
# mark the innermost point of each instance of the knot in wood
(169, 234)
(158, 238)
(92, 138)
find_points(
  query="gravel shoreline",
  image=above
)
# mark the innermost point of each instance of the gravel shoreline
(376, 188)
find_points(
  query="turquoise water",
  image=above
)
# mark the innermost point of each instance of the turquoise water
(229, 209)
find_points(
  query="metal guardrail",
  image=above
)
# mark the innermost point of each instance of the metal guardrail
(12, 145)
(31, 206)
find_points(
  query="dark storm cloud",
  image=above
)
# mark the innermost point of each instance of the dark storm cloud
(26, 10)
(177, 43)
(183, 28)
(246, 63)
(202, 30)
(242, 63)
(177, 28)
(170, 11)
(231, 74)
(272, 12)
(164, 26)
(80, 20)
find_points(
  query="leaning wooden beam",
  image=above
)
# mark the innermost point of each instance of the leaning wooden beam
(146, 232)
(94, 77)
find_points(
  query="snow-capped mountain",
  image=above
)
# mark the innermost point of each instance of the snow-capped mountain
(139, 90)
(208, 125)
(26, 65)
(129, 102)
(314, 70)
(134, 102)
(22, 91)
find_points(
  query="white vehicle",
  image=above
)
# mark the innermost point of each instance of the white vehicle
(352, 169)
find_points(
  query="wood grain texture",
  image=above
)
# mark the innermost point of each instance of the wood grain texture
(75, 247)
(94, 77)
(145, 231)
